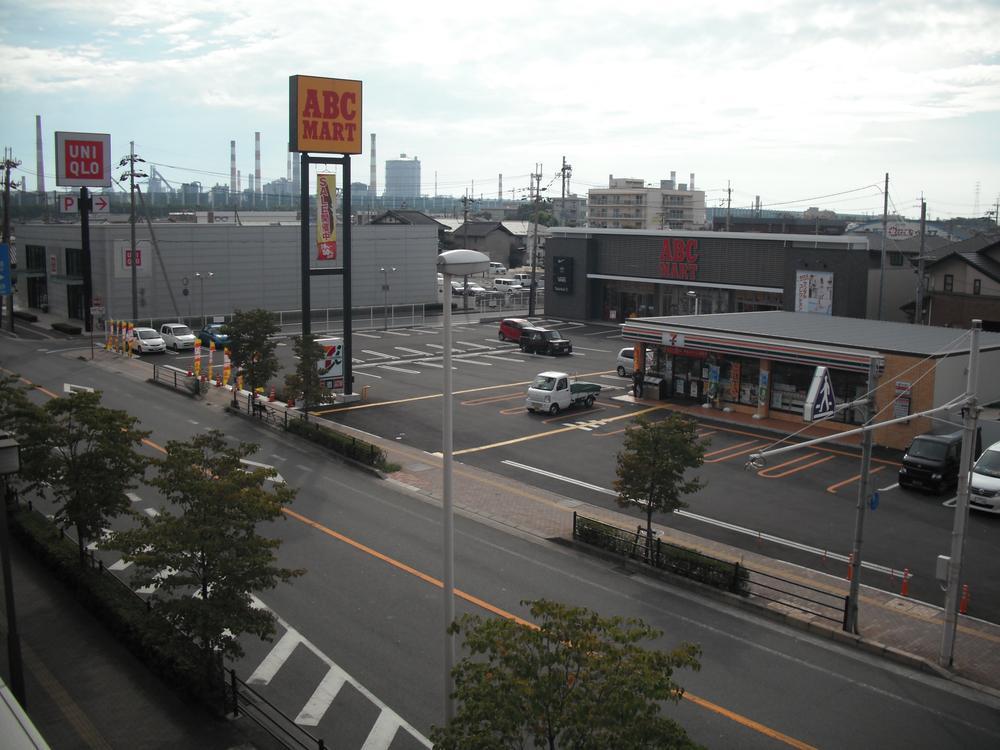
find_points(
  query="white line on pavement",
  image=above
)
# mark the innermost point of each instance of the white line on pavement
(379, 354)
(399, 369)
(412, 351)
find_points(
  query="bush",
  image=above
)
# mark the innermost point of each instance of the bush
(345, 445)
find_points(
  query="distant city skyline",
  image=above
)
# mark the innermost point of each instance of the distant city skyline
(802, 104)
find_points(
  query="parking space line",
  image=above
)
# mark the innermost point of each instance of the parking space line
(492, 399)
(730, 454)
(832, 489)
(378, 354)
(397, 369)
(800, 467)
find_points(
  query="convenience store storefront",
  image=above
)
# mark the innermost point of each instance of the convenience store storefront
(763, 363)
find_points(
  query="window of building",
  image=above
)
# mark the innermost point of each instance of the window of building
(977, 286)
(949, 282)
(738, 380)
(895, 259)
(74, 262)
(35, 258)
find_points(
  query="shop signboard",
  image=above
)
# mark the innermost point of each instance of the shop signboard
(324, 115)
(562, 268)
(814, 292)
(904, 393)
(331, 363)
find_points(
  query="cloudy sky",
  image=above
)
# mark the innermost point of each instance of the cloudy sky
(802, 103)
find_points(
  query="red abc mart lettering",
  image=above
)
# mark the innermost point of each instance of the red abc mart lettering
(323, 113)
(679, 259)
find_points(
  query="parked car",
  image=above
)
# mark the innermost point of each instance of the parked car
(932, 461)
(508, 286)
(552, 391)
(177, 336)
(626, 362)
(213, 332)
(984, 488)
(497, 269)
(510, 328)
(544, 341)
(148, 341)
(524, 279)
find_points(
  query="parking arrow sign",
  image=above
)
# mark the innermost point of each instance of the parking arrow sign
(820, 401)
(100, 204)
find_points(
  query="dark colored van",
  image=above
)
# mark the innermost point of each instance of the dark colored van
(931, 462)
(543, 341)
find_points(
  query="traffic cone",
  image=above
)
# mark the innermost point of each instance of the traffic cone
(963, 604)
(274, 394)
(850, 566)
(291, 402)
(905, 590)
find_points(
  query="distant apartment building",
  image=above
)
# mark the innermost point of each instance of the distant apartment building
(570, 211)
(402, 177)
(629, 204)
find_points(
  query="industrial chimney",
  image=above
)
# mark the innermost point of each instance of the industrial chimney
(691, 182)
(233, 178)
(38, 151)
(256, 163)
(372, 187)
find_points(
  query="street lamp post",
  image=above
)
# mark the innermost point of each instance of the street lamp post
(201, 277)
(451, 263)
(10, 463)
(697, 302)
(385, 296)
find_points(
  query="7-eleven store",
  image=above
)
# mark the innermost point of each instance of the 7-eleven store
(763, 363)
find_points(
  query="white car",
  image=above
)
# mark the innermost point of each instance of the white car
(177, 336)
(626, 361)
(507, 285)
(148, 341)
(497, 269)
(984, 489)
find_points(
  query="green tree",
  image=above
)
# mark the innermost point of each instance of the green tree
(88, 456)
(652, 463)
(207, 543)
(576, 680)
(304, 383)
(251, 346)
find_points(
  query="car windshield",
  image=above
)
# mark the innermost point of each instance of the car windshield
(988, 464)
(929, 449)
(182, 331)
(544, 383)
(553, 335)
(147, 333)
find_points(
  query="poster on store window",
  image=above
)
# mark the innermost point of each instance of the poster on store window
(904, 393)
(734, 381)
(814, 292)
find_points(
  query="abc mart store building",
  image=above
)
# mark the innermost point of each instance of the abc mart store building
(809, 298)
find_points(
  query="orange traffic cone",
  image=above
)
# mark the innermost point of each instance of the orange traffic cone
(274, 394)
(905, 589)
(963, 604)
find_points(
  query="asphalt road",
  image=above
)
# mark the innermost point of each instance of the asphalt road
(367, 616)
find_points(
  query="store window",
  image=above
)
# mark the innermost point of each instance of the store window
(74, 263)
(790, 387)
(977, 286)
(738, 378)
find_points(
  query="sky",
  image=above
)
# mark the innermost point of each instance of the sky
(801, 103)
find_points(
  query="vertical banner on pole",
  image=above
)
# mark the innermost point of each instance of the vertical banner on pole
(211, 357)
(197, 358)
(121, 337)
(130, 339)
(226, 365)
(326, 221)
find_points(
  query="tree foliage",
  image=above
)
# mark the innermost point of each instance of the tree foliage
(251, 346)
(304, 383)
(652, 463)
(87, 455)
(576, 680)
(203, 553)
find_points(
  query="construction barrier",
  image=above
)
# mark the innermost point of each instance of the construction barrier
(963, 603)
(274, 394)
(905, 590)
(850, 566)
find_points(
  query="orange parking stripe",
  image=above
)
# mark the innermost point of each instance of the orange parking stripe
(803, 467)
(834, 487)
(731, 447)
(730, 455)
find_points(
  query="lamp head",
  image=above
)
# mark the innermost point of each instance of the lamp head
(462, 262)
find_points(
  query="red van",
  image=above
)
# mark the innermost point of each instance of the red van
(510, 328)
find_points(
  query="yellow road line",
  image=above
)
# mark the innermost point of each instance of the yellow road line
(801, 467)
(732, 454)
(714, 707)
(834, 487)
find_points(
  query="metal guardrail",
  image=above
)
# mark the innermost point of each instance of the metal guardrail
(176, 378)
(245, 701)
(741, 580)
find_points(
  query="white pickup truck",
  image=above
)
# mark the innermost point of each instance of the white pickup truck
(552, 391)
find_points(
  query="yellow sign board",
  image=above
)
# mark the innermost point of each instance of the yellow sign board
(324, 115)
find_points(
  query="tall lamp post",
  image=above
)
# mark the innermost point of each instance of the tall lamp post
(451, 263)
(697, 302)
(201, 278)
(385, 296)
(10, 463)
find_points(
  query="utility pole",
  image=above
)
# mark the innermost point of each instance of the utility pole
(918, 310)
(131, 160)
(537, 182)
(466, 200)
(885, 231)
(9, 163)
(729, 203)
(970, 412)
(864, 494)
(565, 172)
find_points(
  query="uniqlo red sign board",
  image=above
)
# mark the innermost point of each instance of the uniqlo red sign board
(83, 159)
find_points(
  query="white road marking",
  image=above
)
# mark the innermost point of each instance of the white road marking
(395, 333)
(399, 369)
(133, 497)
(119, 565)
(367, 374)
(303, 467)
(584, 348)
(435, 346)
(714, 522)
(504, 359)
(277, 656)
(412, 351)
(151, 512)
(322, 697)
(383, 733)
(378, 354)
(366, 335)
(277, 478)
(470, 361)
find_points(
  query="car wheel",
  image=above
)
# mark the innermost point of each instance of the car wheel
(589, 402)
(621, 371)
(554, 409)
(501, 336)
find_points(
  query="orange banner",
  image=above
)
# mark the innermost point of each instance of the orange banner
(326, 217)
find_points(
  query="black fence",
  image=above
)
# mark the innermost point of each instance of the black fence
(245, 701)
(721, 574)
(176, 378)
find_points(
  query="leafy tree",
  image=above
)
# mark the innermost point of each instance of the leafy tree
(652, 463)
(304, 383)
(88, 455)
(251, 346)
(576, 680)
(207, 543)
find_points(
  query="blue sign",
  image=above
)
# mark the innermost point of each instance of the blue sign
(5, 285)
(873, 502)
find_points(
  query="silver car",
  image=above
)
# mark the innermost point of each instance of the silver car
(148, 341)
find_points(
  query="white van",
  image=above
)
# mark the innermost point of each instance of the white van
(984, 489)
(507, 285)
(497, 269)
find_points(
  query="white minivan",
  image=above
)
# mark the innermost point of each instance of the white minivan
(508, 286)
(497, 269)
(984, 489)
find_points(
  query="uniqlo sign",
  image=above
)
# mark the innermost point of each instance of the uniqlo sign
(129, 255)
(83, 159)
